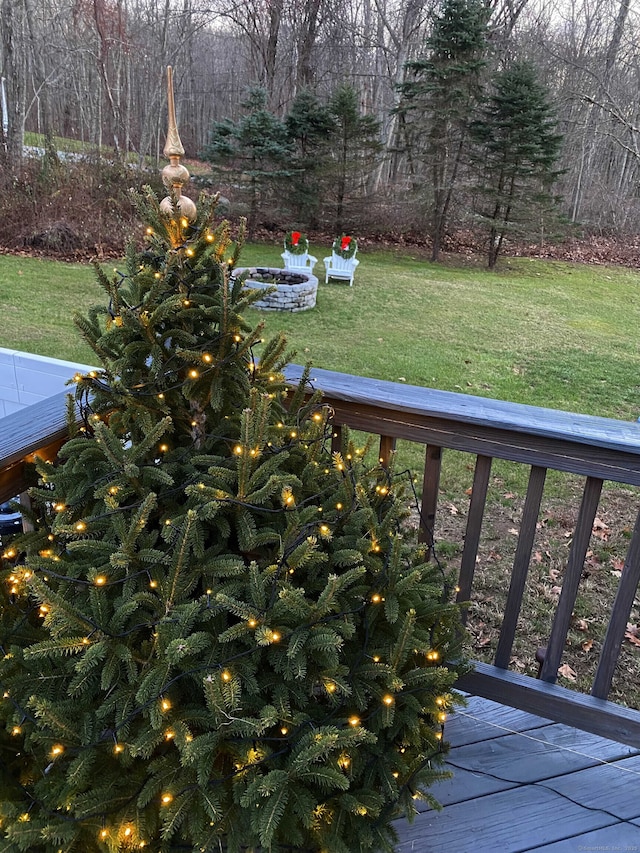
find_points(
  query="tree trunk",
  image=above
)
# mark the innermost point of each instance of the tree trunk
(14, 45)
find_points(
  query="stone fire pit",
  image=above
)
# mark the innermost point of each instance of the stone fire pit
(295, 291)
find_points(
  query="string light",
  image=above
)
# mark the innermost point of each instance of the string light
(166, 799)
(388, 699)
(354, 721)
(165, 705)
(100, 580)
(344, 762)
(225, 675)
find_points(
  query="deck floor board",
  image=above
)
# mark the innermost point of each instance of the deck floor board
(522, 783)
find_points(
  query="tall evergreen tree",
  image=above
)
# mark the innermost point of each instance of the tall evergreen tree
(355, 145)
(438, 100)
(517, 149)
(309, 125)
(215, 637)
(257, 146)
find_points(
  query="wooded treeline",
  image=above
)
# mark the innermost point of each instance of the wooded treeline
(94, 70)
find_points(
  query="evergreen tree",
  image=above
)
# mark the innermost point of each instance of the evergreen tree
(438, 99)
(309, 125)
(517, 151)
(215, 637)
(257, 146)
(356, 145)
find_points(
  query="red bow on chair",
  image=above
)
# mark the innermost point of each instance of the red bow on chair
(345, 243)
(295, 237)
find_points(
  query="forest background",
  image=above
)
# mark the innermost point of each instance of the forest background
(93, 71)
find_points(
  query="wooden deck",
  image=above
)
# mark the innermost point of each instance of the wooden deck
(524, 783)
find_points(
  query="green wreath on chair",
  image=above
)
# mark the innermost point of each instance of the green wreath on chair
(296, 243)
(345, 246)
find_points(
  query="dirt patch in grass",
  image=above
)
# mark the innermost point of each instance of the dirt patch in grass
(601, 574)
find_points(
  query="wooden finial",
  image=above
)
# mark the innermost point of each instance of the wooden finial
(173, 146)
(175, 175)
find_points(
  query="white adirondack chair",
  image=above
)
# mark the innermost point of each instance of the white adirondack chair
(298, 263)
(338, 267)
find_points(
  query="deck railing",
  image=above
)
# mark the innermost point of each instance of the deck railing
(596, 449)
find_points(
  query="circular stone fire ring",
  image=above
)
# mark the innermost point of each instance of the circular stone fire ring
(294, 291)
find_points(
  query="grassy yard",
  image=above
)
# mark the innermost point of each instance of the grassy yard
(546, 333)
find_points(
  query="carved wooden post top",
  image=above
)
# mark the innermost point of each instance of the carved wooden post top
(175, 175)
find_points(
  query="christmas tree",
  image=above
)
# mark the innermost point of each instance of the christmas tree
(215, 637)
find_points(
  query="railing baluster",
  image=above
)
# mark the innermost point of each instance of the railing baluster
(575, 564)
(619, 616)
(387, 446)
(474, 526)
(430, 487)
(336, 438)
(521, 562)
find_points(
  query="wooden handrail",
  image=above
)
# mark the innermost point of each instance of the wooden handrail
(596, 448)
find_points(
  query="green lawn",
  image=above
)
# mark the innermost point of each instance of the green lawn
(546, 333)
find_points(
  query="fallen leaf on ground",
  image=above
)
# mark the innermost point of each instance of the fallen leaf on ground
(566, 672)
(587, 645)
(600, 529)
(631, 634)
